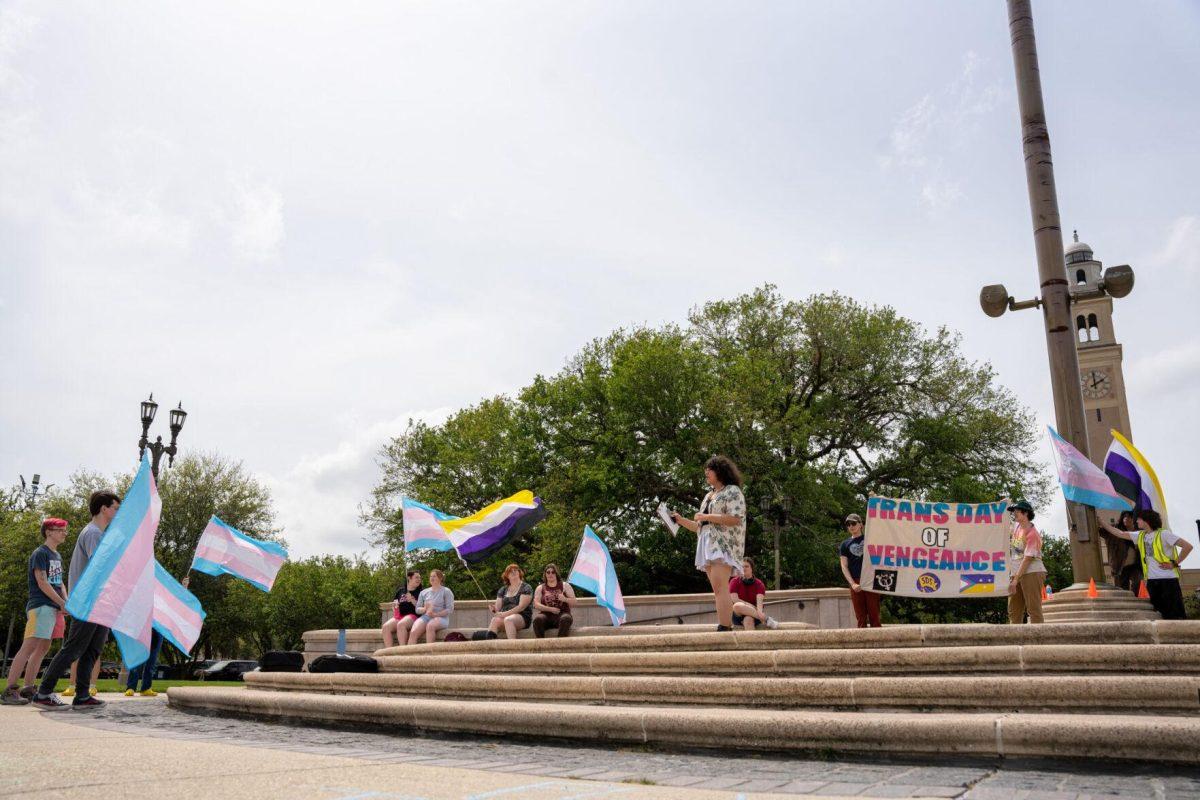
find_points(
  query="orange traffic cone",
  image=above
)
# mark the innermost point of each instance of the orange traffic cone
(1092, 593)
(1142, 593)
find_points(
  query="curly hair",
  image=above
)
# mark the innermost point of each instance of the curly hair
(726, 471)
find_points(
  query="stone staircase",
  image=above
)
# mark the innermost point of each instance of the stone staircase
(1097, 689)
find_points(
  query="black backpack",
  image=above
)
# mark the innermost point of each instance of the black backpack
(338, 662)
(281, 661)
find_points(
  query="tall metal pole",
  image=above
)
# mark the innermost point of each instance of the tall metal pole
(1056, 300)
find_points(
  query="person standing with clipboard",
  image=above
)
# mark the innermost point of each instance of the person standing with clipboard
(720, 530)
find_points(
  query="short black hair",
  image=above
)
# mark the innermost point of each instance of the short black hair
(1152, 517)
(726, 471)
(101, 499)
(412, 572)
(750, 561)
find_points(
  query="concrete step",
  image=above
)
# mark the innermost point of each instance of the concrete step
(367, 640)
(900, 636)
(1107, 736)
(1183, 659)
(1179, 694)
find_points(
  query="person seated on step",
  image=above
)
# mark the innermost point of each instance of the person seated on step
(512, 609)
(434, 606)
(749, 593)
(553, 601)
(404, 611)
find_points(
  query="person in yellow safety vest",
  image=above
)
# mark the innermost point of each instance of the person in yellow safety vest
(1160, 551)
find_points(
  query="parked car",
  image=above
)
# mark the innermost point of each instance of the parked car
(228, 670)
(110, 669)
(194, 670)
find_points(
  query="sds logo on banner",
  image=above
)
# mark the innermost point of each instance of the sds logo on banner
(928, 583)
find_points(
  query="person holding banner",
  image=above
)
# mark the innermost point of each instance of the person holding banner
(1025, 585)
(850, 554)
(721, 533)
(1160, 552)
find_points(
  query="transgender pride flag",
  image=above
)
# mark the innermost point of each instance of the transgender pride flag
(593, 571)
(1082, 481)
(116, 589)
(224, 550)
(177, 613)
(421, 528)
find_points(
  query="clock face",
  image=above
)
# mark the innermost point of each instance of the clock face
(1096, 383)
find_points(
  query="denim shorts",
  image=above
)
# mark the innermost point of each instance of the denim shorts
(737, 621)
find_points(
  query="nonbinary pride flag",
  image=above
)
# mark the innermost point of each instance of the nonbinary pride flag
(224, 550)
(594, 571)
(422, 530)
(1081, 480)
(116, 589)
(1133, 477)
(177, 613)
(478, 536)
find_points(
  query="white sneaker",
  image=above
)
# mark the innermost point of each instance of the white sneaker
(771, 623)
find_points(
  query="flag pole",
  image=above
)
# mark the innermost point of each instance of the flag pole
(482, 593)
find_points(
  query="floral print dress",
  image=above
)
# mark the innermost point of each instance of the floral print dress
(722, 543)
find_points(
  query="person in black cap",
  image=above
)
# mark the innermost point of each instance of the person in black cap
(850, 553)
(1028, 572)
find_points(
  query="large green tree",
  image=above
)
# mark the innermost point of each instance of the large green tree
(822, 402)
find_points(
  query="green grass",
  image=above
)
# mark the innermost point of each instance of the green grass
(108, 685)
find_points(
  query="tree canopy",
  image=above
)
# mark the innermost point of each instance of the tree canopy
(821, 402)
(312, 593)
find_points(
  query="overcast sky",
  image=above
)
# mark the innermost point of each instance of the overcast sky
(311, 222)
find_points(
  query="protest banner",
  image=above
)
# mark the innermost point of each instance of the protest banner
(918, 549)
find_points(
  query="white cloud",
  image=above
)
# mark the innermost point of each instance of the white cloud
(939, 194)
(1181, 251)
(318, 499)
(255, 221)
(1172, 370)
(936, 127)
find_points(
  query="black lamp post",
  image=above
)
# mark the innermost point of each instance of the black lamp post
(157, 448)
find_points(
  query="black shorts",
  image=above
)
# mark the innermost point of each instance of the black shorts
(737, 621)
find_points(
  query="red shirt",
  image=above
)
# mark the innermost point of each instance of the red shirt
(747, 592)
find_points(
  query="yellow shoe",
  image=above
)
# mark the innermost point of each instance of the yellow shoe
(129, 692)
(69, 691)
(149, 693)
(93, 691)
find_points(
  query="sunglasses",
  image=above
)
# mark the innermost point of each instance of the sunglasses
(550, 572)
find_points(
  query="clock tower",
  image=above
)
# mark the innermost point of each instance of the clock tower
(1104, 402)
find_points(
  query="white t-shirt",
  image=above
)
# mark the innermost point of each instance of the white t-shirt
(1169, 540)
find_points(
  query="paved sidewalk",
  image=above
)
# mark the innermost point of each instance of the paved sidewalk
(67, 755)
(233, 758)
